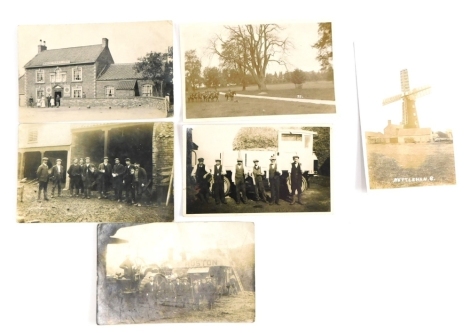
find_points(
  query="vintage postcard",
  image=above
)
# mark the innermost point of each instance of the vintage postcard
(195, 272)
(407, 112)
(239, 70)
(82, 72)
(257, 169)
(106, 172)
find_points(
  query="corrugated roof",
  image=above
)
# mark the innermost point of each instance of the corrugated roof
(126, 85)
(72, 55)
(120, 72)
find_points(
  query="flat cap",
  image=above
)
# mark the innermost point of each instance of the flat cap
(58, 160)
(117, 158)
(272, 158)
(87, 158)
(294, 157)
(254, 161)
(217, 159)
(200, 159)
(239, 160)
(105, 158)
(45, 159)
(128, 159)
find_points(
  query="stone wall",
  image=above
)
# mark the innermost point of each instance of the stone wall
(134, 102)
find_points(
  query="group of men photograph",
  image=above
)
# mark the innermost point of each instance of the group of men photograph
(213, 183)
(85, 176)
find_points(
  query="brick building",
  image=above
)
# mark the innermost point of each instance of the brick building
(151, 144)
(87, 75)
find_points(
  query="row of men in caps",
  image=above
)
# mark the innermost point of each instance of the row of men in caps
(84, 175)
(238, 177)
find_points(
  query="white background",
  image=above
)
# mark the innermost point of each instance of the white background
(385, 261)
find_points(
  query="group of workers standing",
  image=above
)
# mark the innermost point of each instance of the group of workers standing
(204, 180)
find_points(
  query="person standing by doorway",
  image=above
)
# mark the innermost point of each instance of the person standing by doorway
(57, 100)
(43, 177)
(57, 177)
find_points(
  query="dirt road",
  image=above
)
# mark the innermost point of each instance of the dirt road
(316, 199)
(76, 209)
(142, 309)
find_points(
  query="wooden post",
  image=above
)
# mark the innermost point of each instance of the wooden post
(169, 187)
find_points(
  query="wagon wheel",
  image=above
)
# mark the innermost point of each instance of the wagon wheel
(226, 186)
(304, 184)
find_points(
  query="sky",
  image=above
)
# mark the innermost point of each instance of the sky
(151, 242)
(302, 36)
(427, 54)
(127, 41)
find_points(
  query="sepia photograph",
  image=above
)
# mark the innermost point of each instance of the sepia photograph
(239, 70)
(257, 169)
(408, 111)
(95, 172)
(197, 272)
(82, 72)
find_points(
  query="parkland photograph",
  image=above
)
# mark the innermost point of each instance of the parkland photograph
(257, 69)
(263, 169)
(95, 172)
(196, 272)
(85, 72)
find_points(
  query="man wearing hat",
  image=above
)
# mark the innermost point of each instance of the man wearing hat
(296, 180)
(126, 176)
(75, 177)
(258, 182)
(240, 181)
(57, 177)
(219, 174)
(274, 180)
(118, 173)
(139, 182)
(81, 186)
(129, 183)
(104, 176)
(88, 177)
(201, 176)
(43, 177)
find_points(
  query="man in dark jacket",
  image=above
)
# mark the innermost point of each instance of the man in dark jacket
(88, 178)
(296, 180)
(240, 182)
(75, 177)
(274, 180)
(129, 183)
(104, 175)
(118, 174)
(58, 173)
(139, 182)
(201, 176)
(43, 177)
(219, 175)
(258, 182)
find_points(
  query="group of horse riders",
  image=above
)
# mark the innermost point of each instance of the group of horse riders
(210, 96)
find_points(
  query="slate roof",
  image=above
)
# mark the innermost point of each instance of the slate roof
(21, 85)
(76, 55)
(126, 85)
(119, 72)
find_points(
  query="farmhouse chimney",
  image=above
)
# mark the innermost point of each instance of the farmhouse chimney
(41, 46)
(104, 43)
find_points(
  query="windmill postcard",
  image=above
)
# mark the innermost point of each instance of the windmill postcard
(407, 111)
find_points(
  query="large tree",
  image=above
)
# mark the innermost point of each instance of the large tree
(298, 77)
(212, 77)
(324, 46)
(251, 48)
(255, 138)
(192, 65)
(321, 147)
(157, 67)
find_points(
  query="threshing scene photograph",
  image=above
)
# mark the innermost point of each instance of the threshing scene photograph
(84, 72)
(408, 109)
(239, 70)
(257, 169)
(176, 273)
(95, 172)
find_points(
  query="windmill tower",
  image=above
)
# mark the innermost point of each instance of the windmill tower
(408, 97)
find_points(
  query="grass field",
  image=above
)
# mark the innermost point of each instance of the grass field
(244, 106)
(410, 165)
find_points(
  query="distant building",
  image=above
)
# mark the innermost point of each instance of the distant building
(397, 134)
(76, 73)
